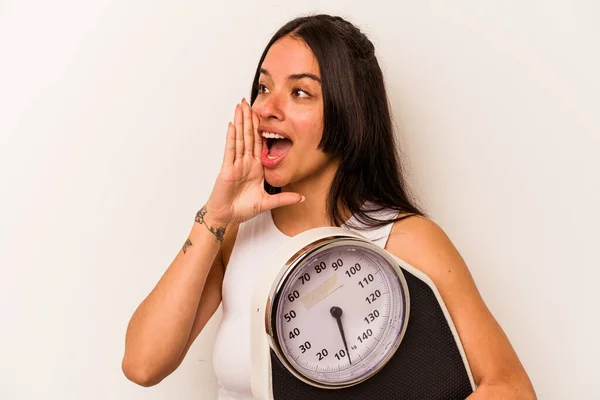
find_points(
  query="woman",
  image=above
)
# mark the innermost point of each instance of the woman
(316, 148)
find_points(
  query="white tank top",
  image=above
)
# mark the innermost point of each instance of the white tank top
(231, 353)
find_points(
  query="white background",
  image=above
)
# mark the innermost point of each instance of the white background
(112, 124)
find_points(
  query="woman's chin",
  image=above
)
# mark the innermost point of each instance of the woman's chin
(274, 180)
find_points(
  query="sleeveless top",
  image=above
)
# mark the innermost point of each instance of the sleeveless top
(256, 237)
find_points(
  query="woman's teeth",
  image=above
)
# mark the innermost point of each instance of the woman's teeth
(269, 135)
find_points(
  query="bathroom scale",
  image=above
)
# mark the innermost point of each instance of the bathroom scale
(335, 316)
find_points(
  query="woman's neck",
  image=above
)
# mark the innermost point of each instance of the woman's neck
(312, 212)
(297, 218)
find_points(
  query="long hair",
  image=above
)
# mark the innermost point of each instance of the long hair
(357, 126)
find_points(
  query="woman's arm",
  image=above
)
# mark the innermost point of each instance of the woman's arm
(495, 366)
(166, 323)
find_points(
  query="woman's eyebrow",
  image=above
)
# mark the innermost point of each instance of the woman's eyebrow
(295, 77)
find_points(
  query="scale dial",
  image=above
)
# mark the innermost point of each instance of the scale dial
(338, 312)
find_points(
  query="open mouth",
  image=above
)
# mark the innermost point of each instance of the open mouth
(277, 145)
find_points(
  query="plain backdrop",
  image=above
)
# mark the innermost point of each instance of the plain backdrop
(112, 123)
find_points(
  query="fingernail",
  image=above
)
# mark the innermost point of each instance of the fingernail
(244, 100)
(302, 199)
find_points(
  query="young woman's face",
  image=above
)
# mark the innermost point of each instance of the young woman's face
(290, 105)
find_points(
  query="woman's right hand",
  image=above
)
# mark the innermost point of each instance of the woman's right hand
(238, 193)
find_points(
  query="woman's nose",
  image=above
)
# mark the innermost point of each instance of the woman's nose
(269, 106)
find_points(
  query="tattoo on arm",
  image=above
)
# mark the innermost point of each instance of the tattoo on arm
(200, 215)
(218, 232)
(187, 244)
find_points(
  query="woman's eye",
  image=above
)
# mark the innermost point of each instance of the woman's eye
(262, 88)
(300, 93)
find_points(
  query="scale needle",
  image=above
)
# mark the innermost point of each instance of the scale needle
(336, 313)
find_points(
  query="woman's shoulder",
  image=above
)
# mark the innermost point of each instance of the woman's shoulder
(258, 227)
(423, 244)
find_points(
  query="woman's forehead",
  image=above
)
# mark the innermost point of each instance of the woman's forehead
(290, 56)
